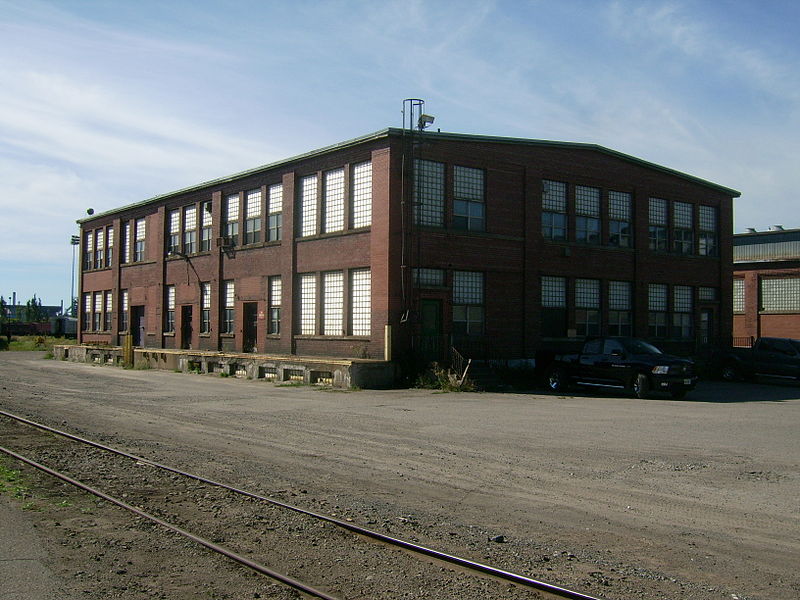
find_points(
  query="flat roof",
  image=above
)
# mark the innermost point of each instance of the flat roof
(393, 131)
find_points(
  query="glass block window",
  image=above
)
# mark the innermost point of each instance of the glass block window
(138, 247)
(274, 301)
(97, 315)
(619, 219)
(708, 231)
(468, 291)
(228, 303)
(123, 307)
(683, 224)
(206, 227)
(657, 297)
(682, 215)
(232, 219)
(587, 201)
(109, 246)
(657, 211)
(468, 202)
(333, 215)
(738, 295)
(190, 229)
(587, 293)
(275, 212)
(87, 312)
(308, 205)
(308, 304)
(361, 213)
(169, 314)
(682, 298)
(174, 237)
(554, 210)
(657, 231)
(107, 315)
(205, 307)
(708, 218)
(554, 292)
(99, 245)
(360, 302)
(780, 294)
(333, 303)
(88, 250)
(619, 295)
(428, 193)
(126, 242)
(429, 277)
(707, 294)
(252, 223)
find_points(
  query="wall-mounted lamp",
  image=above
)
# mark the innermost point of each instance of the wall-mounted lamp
(425, 121)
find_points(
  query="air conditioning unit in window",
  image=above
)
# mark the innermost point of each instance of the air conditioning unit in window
(224, 242)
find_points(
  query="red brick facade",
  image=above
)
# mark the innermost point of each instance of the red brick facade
(508, 251)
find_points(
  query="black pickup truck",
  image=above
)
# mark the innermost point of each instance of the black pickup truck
(776, 357)
(629, 364)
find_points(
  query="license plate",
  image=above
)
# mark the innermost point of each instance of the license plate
(687, 382)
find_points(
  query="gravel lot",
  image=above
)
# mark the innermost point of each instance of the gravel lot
(616, 497)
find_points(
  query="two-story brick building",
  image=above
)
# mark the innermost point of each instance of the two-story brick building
(487, 243)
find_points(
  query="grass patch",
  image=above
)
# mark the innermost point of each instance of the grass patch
(32, 343)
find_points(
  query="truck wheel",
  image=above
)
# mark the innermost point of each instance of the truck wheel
(641, 386)
(557, 380)
(730, 372)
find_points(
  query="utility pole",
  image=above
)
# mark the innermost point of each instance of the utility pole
(74, 241)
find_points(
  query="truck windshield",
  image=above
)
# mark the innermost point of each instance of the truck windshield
(640, 347)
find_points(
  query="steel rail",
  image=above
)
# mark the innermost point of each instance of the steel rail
(294, 583)
(417, 548)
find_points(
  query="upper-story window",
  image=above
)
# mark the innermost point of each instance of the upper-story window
(231, 231)
(333, 201)
(657, 230)
(738, 295)
(99, 248)
(361, 213)
(469, 206)
(125, 242)
(708, 231)
(275, 212)
(308, 205)
(174, 236)
(682, 227)
(252, 223)
(619, 220)
(109, 246)
(554, 210)
(88, 250)
(190, 229)
(206, 226)
(587, 214)
(428, 203)
(139, 240)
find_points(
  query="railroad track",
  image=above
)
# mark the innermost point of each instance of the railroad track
(162, 494)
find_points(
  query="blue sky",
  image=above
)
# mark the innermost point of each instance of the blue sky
(106, 103)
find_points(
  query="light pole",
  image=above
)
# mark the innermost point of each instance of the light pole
(75, 240)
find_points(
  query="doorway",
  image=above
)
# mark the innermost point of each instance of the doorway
(138, 325)
(706, 325)
(249, 342)
(430, 343)
(186, 327)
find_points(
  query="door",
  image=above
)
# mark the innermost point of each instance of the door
(137, 320)
(706, 325)
(186, 327)
(430, 346)
(250, 327)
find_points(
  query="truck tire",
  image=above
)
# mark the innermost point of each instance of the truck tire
(730, 372)
(640, 386)
(557, 379)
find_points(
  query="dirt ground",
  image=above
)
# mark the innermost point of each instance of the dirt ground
(616, 497)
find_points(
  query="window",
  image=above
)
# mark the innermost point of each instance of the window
(619, 308)
(99, 248)
(657, 232)
(123, 307)
(206, 227)
(429, 278)
(707, 294)
(138, 245)
(360, 302)
(109, 246)
(190, 229)
(683, 228)
(428, 200)
(333, 199)
(333, 303)
(554, 210)
(228, 314)
(252, 223)
(308, 205)
(275, 213)
(274, 302)
(469, 207)
(708, 231)
(587, 307)
(108, 313)
(554, 306)
(657, 307)
(174, 238)
(97, 315)
(467, 303)
(308, 304)
(169, 313)
(361, 214)
(88, 251)
(126, 242)
(619, 220)
(587, 211)
(738, 295)
(682, 318)
(780, 294)
(205, 307)
(231, 230)
(87, 312)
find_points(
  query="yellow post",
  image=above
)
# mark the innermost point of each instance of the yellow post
(387, 343)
